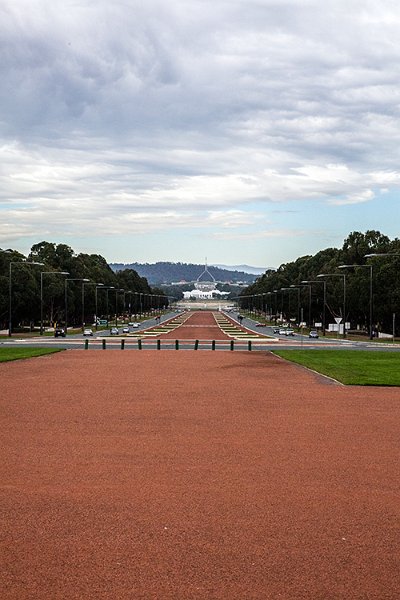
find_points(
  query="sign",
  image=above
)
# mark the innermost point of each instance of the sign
(338, 319)
(318, 324)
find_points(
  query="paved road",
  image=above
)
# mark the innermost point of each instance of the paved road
(273, 341)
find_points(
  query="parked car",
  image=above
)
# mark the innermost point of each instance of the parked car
(114, 331)
(87, 331)
(59, 332)
(289, 331)
(282, 331)
(313, 334)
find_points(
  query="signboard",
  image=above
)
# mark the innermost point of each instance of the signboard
(318, 324)
(338, 320)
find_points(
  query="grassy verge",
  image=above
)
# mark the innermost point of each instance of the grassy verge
(7, 354)
(352, 367)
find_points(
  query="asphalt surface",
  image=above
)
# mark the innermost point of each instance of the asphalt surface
(275, 341)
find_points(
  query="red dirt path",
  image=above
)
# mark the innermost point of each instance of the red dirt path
(195, 475)
(200, 325)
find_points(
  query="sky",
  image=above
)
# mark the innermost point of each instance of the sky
(232, 131)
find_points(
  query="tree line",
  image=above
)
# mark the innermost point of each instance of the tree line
(280, 290)
(121, 291)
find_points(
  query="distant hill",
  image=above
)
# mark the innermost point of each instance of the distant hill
(246, 269)
(167, 272)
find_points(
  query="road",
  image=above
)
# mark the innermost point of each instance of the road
(272, 340)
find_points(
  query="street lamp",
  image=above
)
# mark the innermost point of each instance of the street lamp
(66, 297)
(99, 285)
(116, 305)
(10, 289)
(296, 287)
(41, 292)
(130, 303)
(140, 301)
(370, 293)
(108, 288)
(344, 295)
(285, 289)
(323, 308)
(376, 254)
(87, 282)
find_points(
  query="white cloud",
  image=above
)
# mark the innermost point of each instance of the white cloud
(359, 198)
(152, 115)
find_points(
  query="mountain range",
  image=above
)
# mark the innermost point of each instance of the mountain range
(160, 273)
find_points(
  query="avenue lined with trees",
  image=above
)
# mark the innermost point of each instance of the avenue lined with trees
(358, 283)
(52, 279)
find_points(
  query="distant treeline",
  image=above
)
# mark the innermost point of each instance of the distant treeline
(160, 273)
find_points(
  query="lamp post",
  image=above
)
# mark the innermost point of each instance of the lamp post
(291, 288)
(296, 287)
(276, 303)
(324, 305)
(66, 297)
(390, 254)
(370, 293)
(344, 295)
(116, 304)
(130, 303)
(110, 287)
(10, 289)
(309, 303)
(99, 285)
(140, 304)
(86, 282)
(41, 292)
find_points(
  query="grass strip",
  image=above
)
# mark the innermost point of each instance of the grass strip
(7, 354)
(351, 367)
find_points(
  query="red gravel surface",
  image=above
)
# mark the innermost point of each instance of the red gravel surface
(200, 325)
(195, 475)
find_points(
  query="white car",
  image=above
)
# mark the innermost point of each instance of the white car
(125, 330)
(135, 325)
(114, 331)
(289, 332)
(88, 331)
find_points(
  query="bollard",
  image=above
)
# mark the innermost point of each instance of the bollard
(176, 344)
(213, 345)
(196, 344)
(139, 344)
(86, 344)
(122, 344)
(104, 344)
(232, 344)
(249, 345)
(158, 344)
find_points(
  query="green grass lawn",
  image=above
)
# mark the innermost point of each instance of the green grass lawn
(352, 367)
(16, 353)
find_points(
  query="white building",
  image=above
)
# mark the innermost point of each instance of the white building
(205, 289)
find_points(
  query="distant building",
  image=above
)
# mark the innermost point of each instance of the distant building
(205, 289)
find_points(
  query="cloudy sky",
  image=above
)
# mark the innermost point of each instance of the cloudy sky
(244, 131)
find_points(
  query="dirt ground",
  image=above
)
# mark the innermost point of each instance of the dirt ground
(195, 475)
(200, 325)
